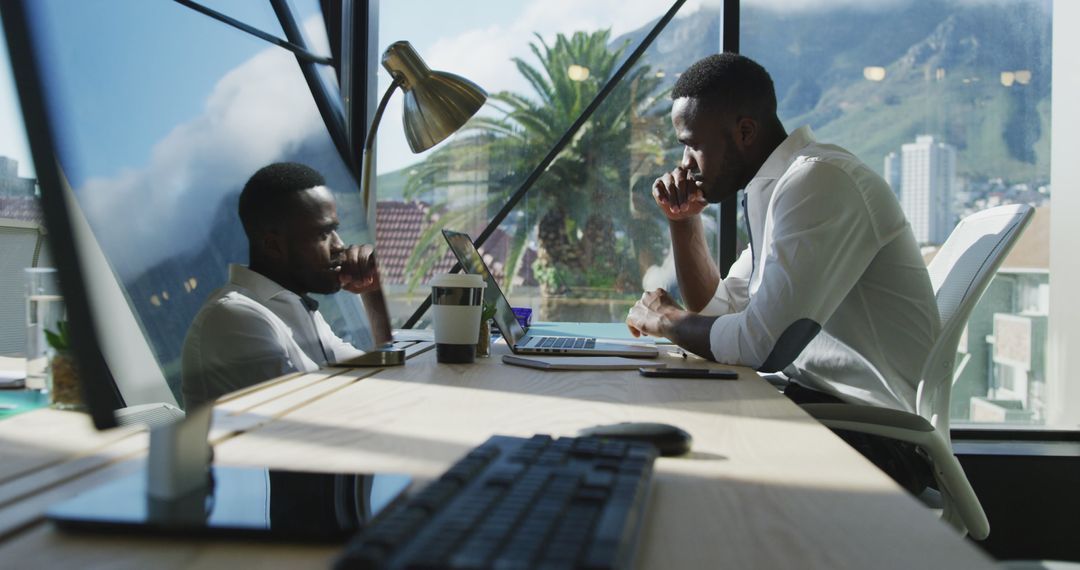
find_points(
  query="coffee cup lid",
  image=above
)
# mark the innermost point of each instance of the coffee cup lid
(458, 280)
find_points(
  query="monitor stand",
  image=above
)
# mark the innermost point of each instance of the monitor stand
(181, 492)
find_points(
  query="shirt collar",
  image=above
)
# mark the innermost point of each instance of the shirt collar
(782, 156)
(311, 304)
(261, 286)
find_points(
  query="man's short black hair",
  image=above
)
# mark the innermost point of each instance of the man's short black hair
(729, 82)
(266, 195)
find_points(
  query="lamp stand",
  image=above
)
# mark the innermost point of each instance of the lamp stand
(374, 301)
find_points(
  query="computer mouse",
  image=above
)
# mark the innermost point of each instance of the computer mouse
(668, 439)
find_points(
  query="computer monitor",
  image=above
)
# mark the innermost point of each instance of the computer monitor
(145, 119)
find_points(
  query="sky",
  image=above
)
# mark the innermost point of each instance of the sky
(477, 39)
(473, 38)
(164, 107)
(12, 135)
(200, 64)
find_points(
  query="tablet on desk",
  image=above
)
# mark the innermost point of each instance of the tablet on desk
(708, 373)
(579, 362)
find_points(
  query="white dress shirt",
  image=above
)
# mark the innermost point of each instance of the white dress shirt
(832, 289)
(251, 330)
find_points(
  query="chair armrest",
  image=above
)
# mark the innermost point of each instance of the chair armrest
(869, 415)
(962, 508)
(887, 422)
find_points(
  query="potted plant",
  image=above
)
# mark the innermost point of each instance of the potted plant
(63, 376)
(483, 343)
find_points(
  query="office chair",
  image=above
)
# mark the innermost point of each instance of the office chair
(959, 274)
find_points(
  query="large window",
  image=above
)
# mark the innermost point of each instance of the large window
(587, 236)
(950, 101)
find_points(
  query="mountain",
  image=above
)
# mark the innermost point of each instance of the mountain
(943, 66)
(391, 185)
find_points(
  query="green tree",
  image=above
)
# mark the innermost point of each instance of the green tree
(597, 185)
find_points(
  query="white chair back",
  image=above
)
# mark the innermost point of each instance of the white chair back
(959, 273)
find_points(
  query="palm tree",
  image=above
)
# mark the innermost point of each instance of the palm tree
(587, 195)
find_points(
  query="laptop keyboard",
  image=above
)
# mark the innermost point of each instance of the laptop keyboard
(565, 342)
(519, 503)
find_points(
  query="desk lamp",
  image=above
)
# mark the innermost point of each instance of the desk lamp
(436, 105)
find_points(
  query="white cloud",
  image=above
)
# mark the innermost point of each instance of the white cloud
(253, 116)
(484, 54)
(806, 5)
(800, 6)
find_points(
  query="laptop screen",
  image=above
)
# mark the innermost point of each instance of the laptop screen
(466, 253)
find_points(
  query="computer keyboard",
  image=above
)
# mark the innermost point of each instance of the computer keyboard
(565, 342)
(519, 503)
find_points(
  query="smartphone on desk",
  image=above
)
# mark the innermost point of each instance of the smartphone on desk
(714, 373)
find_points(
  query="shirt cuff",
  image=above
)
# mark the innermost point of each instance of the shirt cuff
(724, 339)
(714, 308)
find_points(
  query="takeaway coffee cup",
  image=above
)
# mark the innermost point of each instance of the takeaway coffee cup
(456, 300)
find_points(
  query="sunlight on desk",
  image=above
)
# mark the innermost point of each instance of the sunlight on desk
(764, 486)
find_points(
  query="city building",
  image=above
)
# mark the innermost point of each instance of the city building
(1001, 359)
(10, 182)
(11, 185)
(892, 172)
(927, 180)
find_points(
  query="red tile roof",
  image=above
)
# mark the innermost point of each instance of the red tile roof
(398, 226)
(24, 208)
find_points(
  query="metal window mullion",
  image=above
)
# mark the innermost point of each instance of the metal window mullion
(331, 115)
(727, 217)
(299, 49)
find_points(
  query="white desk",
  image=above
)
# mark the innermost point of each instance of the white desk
(765, 486)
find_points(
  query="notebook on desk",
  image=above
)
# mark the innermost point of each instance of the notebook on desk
(517, 337)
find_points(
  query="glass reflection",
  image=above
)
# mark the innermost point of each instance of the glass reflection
(161, 114)
(289, 505)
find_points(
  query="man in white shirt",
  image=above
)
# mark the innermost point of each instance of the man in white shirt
(832, 289)
(263, 324)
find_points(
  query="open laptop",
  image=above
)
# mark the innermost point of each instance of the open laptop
(517, 338)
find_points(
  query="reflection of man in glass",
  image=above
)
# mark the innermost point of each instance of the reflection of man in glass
(831, 289)
(263, 324)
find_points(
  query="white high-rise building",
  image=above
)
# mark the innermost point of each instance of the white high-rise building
(892, 172)
(928, 174)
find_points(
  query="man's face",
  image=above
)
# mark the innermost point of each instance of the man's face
(310, 246)
(711, 149)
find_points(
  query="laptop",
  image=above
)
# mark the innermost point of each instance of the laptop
(517, 338)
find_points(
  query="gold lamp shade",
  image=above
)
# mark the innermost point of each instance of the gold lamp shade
(436, 103)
